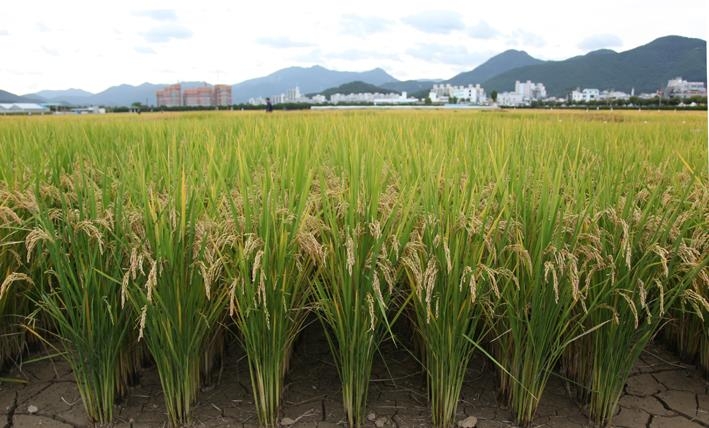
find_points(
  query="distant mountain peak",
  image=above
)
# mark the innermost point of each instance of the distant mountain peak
(9, 97)
(509, 52)
(673, 38)
(312, 79)
(507, 60)
(644, 68)
(52, 95)
(355, 87)
(602, 52)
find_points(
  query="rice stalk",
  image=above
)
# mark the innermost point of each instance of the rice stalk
(536, 316)
(178, 311)
(88, 327)
(268, 274)
(15, 284)
(354, 284)
(447, 264)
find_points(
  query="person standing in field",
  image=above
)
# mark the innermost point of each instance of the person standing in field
(269, 106)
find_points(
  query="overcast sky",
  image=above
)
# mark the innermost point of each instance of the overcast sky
(92, 45)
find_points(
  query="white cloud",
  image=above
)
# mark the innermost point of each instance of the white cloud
(483, 30)
(158, 14)
(282, 42)
(435, 21)
(42, 27)
(525, 39)
(363, 26)
(49, 51)
(167, 32)
(600, 41)
(446, 54)
(187, 40)
(144, 50)
(360, 54)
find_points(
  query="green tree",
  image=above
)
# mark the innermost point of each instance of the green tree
(493, 96)
(138, 106)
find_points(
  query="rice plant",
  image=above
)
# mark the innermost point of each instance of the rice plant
(15, 284)
(658, 274)
(516, 224)
(646, 265)
(448, 266)
(268, 274)
(537, 272)
(363, 223)
(84, 243)
(688, 329)
(179, 303)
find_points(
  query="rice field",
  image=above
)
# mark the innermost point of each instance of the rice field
(548, 243)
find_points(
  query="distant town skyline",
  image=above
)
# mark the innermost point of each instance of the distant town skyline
(94, 45)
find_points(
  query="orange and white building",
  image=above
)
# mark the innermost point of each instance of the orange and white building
(170, 96)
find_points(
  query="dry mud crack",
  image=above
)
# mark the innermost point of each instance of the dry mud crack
(660, 393)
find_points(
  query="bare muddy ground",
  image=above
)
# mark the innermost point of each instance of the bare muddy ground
(661, 392)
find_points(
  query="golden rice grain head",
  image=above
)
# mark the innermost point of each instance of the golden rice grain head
(8, 216)
(12, 278)
(549, 268)
(152, 281)
(143, 317)
(631, 305)
(90, 229)
(349, 246)
(372, 316)
(35, 236)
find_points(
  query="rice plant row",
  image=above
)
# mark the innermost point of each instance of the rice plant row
(554, 242)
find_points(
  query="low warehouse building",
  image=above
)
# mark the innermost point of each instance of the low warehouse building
(22, 108)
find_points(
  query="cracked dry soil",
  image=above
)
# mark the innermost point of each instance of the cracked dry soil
(660, 393)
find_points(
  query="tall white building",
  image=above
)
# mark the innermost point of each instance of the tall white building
(678, 87)
(530, 91)
(585, 95)
(510, 99)
(257, 101)
(524, 94)
(441, 90)
(474, 94)
(614, 95)
(292, 95)
(278, 99)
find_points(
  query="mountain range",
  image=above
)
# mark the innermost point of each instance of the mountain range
(508, 60)
(356, 87)
(309, 80)
(8, 97)
(645, 68)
